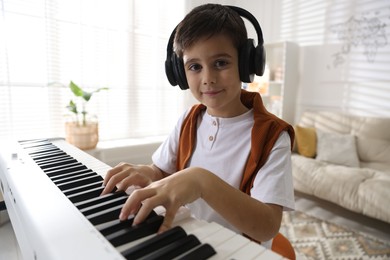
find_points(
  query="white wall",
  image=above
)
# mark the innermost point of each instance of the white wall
(344, 62)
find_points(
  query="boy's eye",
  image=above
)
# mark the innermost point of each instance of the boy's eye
(220, 63)
(194, 67)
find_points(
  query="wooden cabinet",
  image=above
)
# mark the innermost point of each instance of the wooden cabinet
(279, 84)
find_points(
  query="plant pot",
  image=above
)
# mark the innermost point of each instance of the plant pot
(84, 137)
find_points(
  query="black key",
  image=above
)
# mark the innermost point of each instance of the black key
(154, 243)
(65, 169)
(74, 177)
(52, 148)
(46, 155)
(33, 142)
(105, 215)
(203, 251)
(116, 225)
(132, 233)
(57, 163)
(86, 195)
(83, 188)
(97, 200)
(77, 183)
(175, 249)
(51, 159)
(104, 205)
(69, 174)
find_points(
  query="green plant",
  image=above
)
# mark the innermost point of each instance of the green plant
(84, 97)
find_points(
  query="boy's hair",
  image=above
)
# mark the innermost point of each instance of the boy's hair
(206, 21)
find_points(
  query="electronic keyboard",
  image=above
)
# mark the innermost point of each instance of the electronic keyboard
(52, 193)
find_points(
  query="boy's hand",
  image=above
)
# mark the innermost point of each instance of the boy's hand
(125, 175)
(171, 192)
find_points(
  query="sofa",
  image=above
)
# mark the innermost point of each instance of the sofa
(344, 159)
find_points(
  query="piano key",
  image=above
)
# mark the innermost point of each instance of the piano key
(51, 148)
(200, 228)
(203, 251)
(53, 159)
(175, 248)
(154, 243)
(80, 182)
(99, 199)
(269, 255)
(230, 246)
(82, 188)
(85, 195)
(103, 205)
(47, 155)
(105, 215)
(56, 169)
(132, 233)
(65, 175)
(248, 251)
(65, 169)
(110, 227)
(219, 237)
(29, 146)
(56, 163)
(74, 177)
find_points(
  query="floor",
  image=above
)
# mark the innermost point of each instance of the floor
(332, 213)
(312, 206)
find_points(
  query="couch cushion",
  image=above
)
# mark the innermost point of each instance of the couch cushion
(374, 204)
(373, 150)
(306, 141)
(337, 149)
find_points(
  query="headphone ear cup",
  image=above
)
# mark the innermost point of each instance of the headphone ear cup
(246, 62)
(178, 70)
(170, 72)
(260, 58)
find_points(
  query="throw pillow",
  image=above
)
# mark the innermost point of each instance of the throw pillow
(306, 141)
(337, 149)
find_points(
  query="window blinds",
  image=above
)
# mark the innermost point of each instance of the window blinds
(95, 43)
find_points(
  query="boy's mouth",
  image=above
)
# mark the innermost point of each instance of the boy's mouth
(211, 92)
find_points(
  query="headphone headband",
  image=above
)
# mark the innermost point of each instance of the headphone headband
(251, 58)
(247, 15)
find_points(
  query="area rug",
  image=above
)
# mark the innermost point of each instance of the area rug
(315, 239)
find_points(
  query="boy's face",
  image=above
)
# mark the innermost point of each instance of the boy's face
(211, 67)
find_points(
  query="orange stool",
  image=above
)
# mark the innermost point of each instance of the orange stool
(282, 246)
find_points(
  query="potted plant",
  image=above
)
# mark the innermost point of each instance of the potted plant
(83, 130)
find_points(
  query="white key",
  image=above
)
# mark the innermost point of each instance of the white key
(269, 255)
(249, 251)
(219, 237)
(230, 246)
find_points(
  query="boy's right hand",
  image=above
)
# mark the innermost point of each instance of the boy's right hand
(125, 175)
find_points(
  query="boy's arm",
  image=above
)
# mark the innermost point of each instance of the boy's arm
(257, 220)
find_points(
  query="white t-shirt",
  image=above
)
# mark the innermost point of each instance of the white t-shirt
(222, 147)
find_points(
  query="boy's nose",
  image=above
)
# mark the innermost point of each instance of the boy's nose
(209, 77)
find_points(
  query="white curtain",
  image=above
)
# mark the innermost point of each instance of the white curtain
(95, 43)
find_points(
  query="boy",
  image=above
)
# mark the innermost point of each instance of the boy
(228, 159)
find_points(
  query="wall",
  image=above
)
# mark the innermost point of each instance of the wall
(344, 62)
(344, 55)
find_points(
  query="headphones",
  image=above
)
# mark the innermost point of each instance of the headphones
(251, 59)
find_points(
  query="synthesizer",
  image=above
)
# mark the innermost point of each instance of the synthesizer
(52, 193)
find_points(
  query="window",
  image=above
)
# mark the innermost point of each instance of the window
(95, 43)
